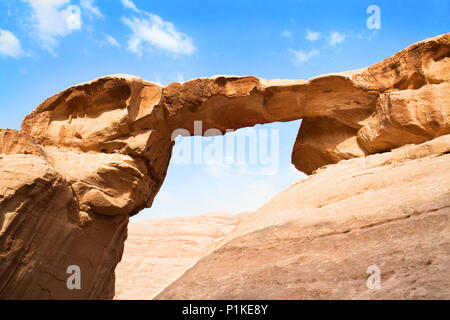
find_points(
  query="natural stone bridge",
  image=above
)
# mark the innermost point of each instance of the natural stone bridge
(91, 156)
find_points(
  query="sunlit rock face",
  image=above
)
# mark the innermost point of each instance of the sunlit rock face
(91, 156)
(325, 236)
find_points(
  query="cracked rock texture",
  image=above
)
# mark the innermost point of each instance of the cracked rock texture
(97, 153)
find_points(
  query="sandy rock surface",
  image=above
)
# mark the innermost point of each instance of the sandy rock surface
(316, 239)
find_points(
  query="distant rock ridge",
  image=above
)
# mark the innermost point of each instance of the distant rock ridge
(94, 154)
(159, 251)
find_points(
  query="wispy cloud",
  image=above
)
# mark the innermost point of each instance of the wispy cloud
(301, 56)
(92, 10)
(150, 31)
(10, 45)
(312, 35)
(130, 5)
(336, 38)
(112, 41)
(52, 19)
(286, 33)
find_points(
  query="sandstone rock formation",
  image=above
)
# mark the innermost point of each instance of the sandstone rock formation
(43, 230)
(157, 252)
(91, 156)
(316, 239)
(401, 100)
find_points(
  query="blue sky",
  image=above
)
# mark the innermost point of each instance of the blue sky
(49, 45)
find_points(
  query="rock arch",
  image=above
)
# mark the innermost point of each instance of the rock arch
(94, 154)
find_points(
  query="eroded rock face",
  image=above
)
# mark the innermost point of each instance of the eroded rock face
(91, 156)
(407, 116)
(43, 231)
(316, 239)
(410, 105)
(107, 137)
(324, 141)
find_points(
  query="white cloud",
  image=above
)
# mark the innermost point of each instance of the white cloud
(151, 31)
(336, 38)
(286, 33)
(130, 5)
(10, 45)
(301, 56)
(53, 19)
(92, 11)
(112, 41)
(312, 35)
